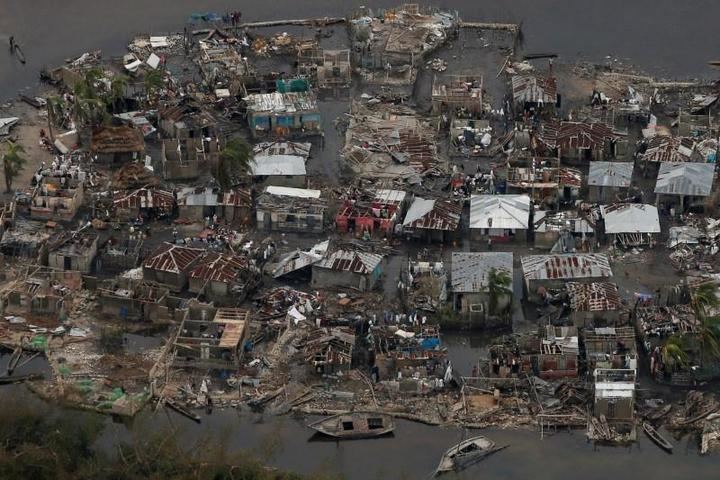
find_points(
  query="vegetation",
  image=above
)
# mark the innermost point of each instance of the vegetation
(56, 112)
(154, 81)
(705, 303)
(234, 162)
(41, 444)
(13, 163)
(499, 284)
(673, 352)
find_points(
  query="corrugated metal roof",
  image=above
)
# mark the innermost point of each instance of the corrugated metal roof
(593, 297)
(172, 258)
(219, 267)
(566, 266)
(611, 174)
(267, 165)
(664, 148)
(351, 261)
(293, 192)
(202, 196)
(433, 215)
(389, 197)
(685, 179)
(529, 88)
(558, 221)
(280, 102)
(631, 218)
(500, 211)
(469, 271)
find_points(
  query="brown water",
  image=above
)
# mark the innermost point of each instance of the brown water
(667, 37)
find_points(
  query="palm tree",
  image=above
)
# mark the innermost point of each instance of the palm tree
(235, 161)
(705, 299)
(499, 284)
(117, 92)
(705, 302)
(55, 110)
(673, 352)
(13, 163)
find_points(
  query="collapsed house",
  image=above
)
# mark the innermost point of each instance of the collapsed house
(299, 261)
(142, 203)
(559, 231)
(500, 217)
(296, 149)
(119, 254)
(224, 277)
(684, 183)
(432, 220)
(329, 350)
(453, 93)
(581, 141)
(350, 269)
(73, 251)
(386, 141)
(211, 338)
(371, 212)
(613, 418)
(549, 272)
(481, 285)
(41, 292)
(135, 300)
(288, 209)
(631, 224)
(534, 92)
(186, 119)
(559, 352)
(188, 158)
(594, 304)
(609, 181)
(423, 285)
(668, 149)
(170, 264)
(57, 198)
(27, 239)
(117, 145)
(546, 184)
(389, 47)
(610, 347)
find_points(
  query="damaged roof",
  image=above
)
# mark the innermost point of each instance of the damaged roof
(122, 139)
(694, 179)
(144, 198)
(351, 261)
(630, 218)
(293, 192)
(593, 297)
(283, 148)
(565, 266)
(218, 267)
(172, 258)
(431, 214)
(531, 88)
(663, 148)
(500, 211)
(470, 271)
(575, 135)
(280, 102)
(611, 174)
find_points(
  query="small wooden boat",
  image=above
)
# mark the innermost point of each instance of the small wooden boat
(14, 360)
(355, 425)
(655, 436)
(37, 102)
(172, 404)
(19, 53)
(658, 413)
(465, 454)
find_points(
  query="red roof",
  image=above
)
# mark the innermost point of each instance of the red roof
(218, 267)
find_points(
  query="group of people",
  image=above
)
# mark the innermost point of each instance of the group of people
(233, 18)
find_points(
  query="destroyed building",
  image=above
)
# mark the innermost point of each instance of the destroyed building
(631, 224)
(500, 217)
(117, 145)
(170, 264)
(298, 262)
(121, 252)
(142, 203)
(558, 354)
(684, 184)
(542, 273)
(453, 93)
(186, 119)
(423, 285)
(579, 141)
(329, 350)
(134, 300)
(613, 417)
(57, 198)
(561, 232)
(545, 184)
(197, 203)
(287, 115)
(236, 206)
(41, 291)
(595, 304)
(288, 209)
(211, 338)
(665, 148)
(224, 277)
(481, 285)
(73, 251)
(371, 212)
(188, 158)
(535, 92)
(27, 239)
(347, 268)
(432, 220)
(610, 347)
(609, 181)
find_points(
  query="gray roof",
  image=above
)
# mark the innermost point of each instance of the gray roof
(694, 179)
(631, 218)
(610, 174)
(469, 271)
(500, 211)
(567, 266)
(263, 165)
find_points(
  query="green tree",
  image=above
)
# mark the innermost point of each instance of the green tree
(499, 285)
(705, 303)
(154, 81)
(56, 111)
(235, 161)
(13, 163)
(116, 95)
(673, 352)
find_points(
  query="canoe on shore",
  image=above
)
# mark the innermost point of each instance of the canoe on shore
(658, 439)
(355, 425)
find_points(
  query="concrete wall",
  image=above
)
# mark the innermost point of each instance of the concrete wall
(327, 278)
(175, 281)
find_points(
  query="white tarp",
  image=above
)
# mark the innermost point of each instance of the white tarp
(6, 123)
(294, 315)
(153, 61)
